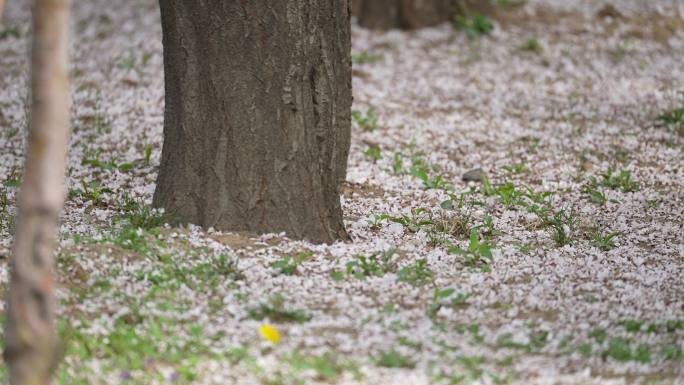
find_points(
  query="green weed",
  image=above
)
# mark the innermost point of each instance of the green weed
(605, 241)
(373, 152)
(416, 274)
(673, 119)
(375, 265)
(621, 350)
(327, 366)
(394, 359)
(375, 223)
(106, 165)
(562, 224)
(275, 311)
(418, 218)
(446, 297)
(148, 153)
(288, 265)
(517, 168)
(672, 352)
(621, 181)
(531, 45)
(136, 214)
(367, 121)
(364, 57)
(596, 196)
(92, 191)
(475, 26)
(478, 254)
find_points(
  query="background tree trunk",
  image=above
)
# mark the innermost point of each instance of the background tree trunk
(258, 115)
(31, 341)
(412, 14)
(405, 14)
(2, 8)
(355, 7)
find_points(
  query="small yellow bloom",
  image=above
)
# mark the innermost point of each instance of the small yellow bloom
(270, 333)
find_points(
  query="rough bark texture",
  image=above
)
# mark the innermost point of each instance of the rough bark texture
(257, 121)
(31, 342)
(412, 14)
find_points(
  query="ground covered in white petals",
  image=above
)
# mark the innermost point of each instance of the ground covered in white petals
(560, 261)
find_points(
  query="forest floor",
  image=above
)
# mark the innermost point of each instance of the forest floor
(565, 264)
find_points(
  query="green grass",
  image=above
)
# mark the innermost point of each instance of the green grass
(620, 349)
(327, 366)
(92, 192)
(537, 340)
(531, 45)
(622, 181)
(673, 119)
(596, 196)
(94, 160)
(394, 359)
(605, 241)
(375, 265)
(561, 223)
(446, 297)
(413, 222)
(477, 254)
(417, 274)
(365, 57)
(672, 353)
(421, 168)
(288, 265)
(136, 347)
(134, 213)
(373, 153)
(368, 121)
(276, 311)
(475, 26)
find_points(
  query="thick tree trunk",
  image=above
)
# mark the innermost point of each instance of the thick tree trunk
(31, 342)
(257, 121)
(412, 14)
(404, 14)
(355, 7)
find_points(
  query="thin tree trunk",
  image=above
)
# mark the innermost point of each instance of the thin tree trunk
(2, 8)
(258, 110)
(31, 341)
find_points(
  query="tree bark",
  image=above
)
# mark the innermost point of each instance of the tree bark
(356, 6)
(404, 14)
(2, 8)
(258, 115)
(413, 14)
(31, 341)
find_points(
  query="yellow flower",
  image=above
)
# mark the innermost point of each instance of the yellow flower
(270, 333)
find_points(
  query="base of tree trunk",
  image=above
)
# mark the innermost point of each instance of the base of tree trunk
(258, 115)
